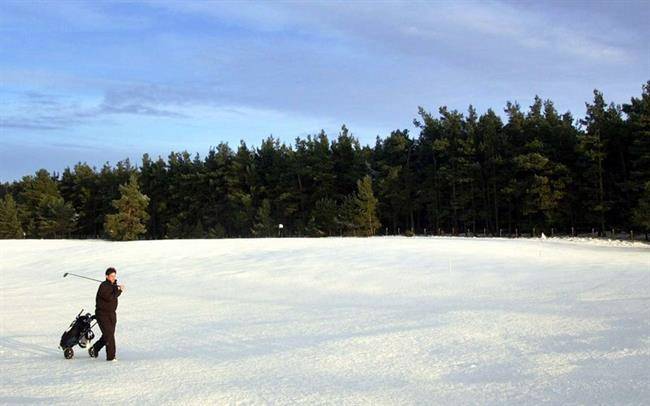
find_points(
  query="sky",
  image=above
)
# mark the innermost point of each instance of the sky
(101, 81)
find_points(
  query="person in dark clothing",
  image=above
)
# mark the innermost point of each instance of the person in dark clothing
(105, 306)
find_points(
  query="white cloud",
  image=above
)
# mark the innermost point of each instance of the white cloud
(459, 23)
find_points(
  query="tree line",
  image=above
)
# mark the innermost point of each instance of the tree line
(529, 172)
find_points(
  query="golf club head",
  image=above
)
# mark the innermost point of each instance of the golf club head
(65, 274)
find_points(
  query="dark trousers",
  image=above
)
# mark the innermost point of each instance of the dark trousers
(107, 322)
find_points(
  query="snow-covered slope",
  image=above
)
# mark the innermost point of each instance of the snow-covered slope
(336, 321)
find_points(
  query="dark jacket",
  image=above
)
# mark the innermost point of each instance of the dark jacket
(106, 299)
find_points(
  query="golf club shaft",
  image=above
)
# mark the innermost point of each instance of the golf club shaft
(84, 277)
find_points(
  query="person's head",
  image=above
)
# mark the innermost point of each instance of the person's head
(111, 275)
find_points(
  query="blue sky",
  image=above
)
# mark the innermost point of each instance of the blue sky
(101, 81)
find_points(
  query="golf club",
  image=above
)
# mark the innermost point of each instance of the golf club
(79, 276)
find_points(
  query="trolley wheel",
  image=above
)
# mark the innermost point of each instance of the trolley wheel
(68, 353)
(82, 344)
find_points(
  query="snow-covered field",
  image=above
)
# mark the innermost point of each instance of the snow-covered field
(333, 321)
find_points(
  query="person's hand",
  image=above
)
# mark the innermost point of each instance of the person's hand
(121, 287)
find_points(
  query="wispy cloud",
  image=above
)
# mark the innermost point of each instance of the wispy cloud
(39, 111)
(137, 109)
(396, 23)
(23, 123)
(75, 16)
(534, 31)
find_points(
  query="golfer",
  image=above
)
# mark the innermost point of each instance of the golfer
(105, 306)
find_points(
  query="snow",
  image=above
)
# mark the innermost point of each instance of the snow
(386, 320)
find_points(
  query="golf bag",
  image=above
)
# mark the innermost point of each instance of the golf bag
(79, 333)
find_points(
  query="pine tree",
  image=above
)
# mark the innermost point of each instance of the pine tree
(218, 212)
(641, 215)
(264, 226)
(46, 213)
(185, 195)
(155, 184)
(127, 223)
(367, 203)
(348, 215)
(58, 217)
(323, 217)
(638, 125)
(429, 175)
(603, 162)
(242, 184)
(395, 186)
(347, 164)
(79, 187)
(10, 226)
(491, 160)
